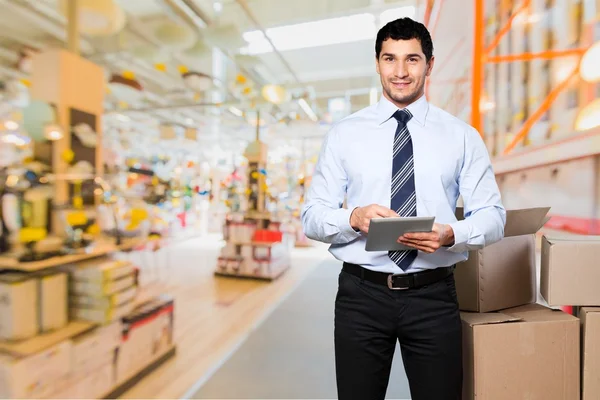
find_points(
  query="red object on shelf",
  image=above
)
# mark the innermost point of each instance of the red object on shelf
(181, 217)
(265, 235)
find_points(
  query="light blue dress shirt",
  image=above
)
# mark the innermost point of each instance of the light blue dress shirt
(450, 160)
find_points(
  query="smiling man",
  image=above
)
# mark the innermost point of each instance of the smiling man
(401, 157)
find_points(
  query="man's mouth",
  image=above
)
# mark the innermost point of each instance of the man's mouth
(400, 85)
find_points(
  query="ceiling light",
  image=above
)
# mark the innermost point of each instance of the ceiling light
(217, 6)
(98, 17)
(589, 70)
(589, 116)
(236, 111)
(274, 94)
(347, 29)
(53, 132)
(197, 81)
(11, 125)
(308, 110)
(175, 36)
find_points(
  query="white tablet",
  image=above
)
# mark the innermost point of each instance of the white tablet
(384, 232)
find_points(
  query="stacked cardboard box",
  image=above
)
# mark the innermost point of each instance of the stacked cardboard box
(96, 362)
(147, 336)
(253, 252)
(32, 303)
(570, 276)
(102, 291)
(35, 376)
(513, 348)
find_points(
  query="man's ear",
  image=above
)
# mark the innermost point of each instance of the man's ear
(430, 65)
(377, 66)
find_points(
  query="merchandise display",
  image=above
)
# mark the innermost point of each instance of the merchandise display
(255, 246)
(110, 339)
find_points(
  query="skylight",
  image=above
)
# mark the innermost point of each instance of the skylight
(324, 32)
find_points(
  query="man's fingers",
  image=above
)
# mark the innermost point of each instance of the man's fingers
(421, 235)
(381, 211)
(427, 246)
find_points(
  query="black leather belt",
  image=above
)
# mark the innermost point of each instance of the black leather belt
(399, 282)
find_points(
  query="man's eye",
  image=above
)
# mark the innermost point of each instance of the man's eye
(412, 59)
(389, 59)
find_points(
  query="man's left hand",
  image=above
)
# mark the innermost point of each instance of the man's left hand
(429, 242)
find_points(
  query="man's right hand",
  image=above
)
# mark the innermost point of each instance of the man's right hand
(361, 216)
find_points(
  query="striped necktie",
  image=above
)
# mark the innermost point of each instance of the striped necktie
(404, 196)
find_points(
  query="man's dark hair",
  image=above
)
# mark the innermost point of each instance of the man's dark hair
(405, 29)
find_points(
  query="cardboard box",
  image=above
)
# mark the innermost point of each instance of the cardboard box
(98, 383)
(35, 376)
(53, 295)
(503, 274)
(590, 353)
(527, 352)
(93, 348)
(147, 335)
(18, 306)
(94, 270)
(101, 288)
(102, 315)
(570, 274)
(104, 302)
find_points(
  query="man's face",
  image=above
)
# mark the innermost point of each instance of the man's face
(403, 69)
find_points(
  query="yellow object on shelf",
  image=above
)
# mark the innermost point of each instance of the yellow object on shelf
(27, 235)
(93, 229)
(75, 218)
(137, 216)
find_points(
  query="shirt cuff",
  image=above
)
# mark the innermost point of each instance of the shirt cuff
(343, 223)
(461, 237)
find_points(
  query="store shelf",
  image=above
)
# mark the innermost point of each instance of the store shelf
(253, 243)
(136, 377)
(101, 249)
(573, 147)
(44, 341)
(275, 273)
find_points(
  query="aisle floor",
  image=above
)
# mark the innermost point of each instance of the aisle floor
(291, 355)
(213, 315)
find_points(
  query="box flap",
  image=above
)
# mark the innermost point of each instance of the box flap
(525, 221)
(472, 318)
(545, 222)
(556, 238)
(538, 313)
(585, 310)
(519, 222)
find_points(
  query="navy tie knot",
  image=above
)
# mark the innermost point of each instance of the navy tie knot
(403, 116)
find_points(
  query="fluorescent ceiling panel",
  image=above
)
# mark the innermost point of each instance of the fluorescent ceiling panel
(324, 32)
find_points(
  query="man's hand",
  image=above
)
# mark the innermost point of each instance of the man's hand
(429, 242)
(361, 216)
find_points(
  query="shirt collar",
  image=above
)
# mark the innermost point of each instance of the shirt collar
(386, 109)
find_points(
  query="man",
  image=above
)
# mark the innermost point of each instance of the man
(401, 157)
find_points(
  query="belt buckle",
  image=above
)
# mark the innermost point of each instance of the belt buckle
(390, 282)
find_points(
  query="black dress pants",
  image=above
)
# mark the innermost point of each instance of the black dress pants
(369, 318)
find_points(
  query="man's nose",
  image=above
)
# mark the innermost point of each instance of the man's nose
(401, 71)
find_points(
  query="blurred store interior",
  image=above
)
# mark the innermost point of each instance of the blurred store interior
(155, 154)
